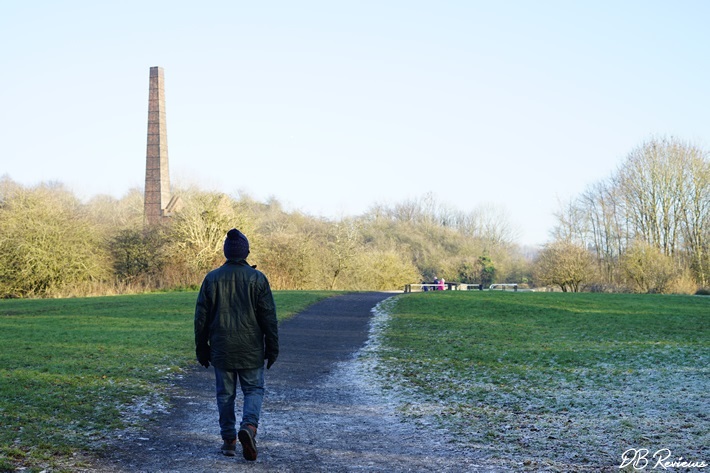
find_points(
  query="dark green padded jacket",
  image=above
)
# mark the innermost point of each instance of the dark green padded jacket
(235, 317)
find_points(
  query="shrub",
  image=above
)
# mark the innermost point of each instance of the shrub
(647, 269)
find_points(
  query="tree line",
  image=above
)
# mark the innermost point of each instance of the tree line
(55, 245)
(644, 229)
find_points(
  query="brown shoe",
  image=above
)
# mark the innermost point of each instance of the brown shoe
(229, 447)
(246, 438)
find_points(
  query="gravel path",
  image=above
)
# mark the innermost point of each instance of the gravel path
(323, 411)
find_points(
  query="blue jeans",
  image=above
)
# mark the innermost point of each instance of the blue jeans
(252, 384)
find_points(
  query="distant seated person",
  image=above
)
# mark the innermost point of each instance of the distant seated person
(441, 284)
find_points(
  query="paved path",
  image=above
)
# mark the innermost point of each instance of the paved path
(318, 415)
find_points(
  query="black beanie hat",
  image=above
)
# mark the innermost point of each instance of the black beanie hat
(236, 245)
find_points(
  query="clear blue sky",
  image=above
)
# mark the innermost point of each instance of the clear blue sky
(333, 106)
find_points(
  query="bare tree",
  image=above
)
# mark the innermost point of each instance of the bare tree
(197, 232)
(564, 264)
(696, 216)
(607, 231)
(571, 223)
(493, 225)
(343, 243)
(111, 214)
(652, 183)
(291, 260)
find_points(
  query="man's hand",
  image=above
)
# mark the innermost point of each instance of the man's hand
(270, 360)
(203, 356)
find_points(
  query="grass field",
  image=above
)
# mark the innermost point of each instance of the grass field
(559, 381)
(532, 381)
(68, 367)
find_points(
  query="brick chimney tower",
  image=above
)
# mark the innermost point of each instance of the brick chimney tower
(158, 203)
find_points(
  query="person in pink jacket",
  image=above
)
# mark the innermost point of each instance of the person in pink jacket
(441, 284)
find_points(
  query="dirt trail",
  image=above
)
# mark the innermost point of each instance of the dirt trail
(323, 412)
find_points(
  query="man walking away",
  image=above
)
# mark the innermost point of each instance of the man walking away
(236, 330)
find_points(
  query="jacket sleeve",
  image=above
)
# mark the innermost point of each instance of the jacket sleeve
(266, 318)
(203, 310)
